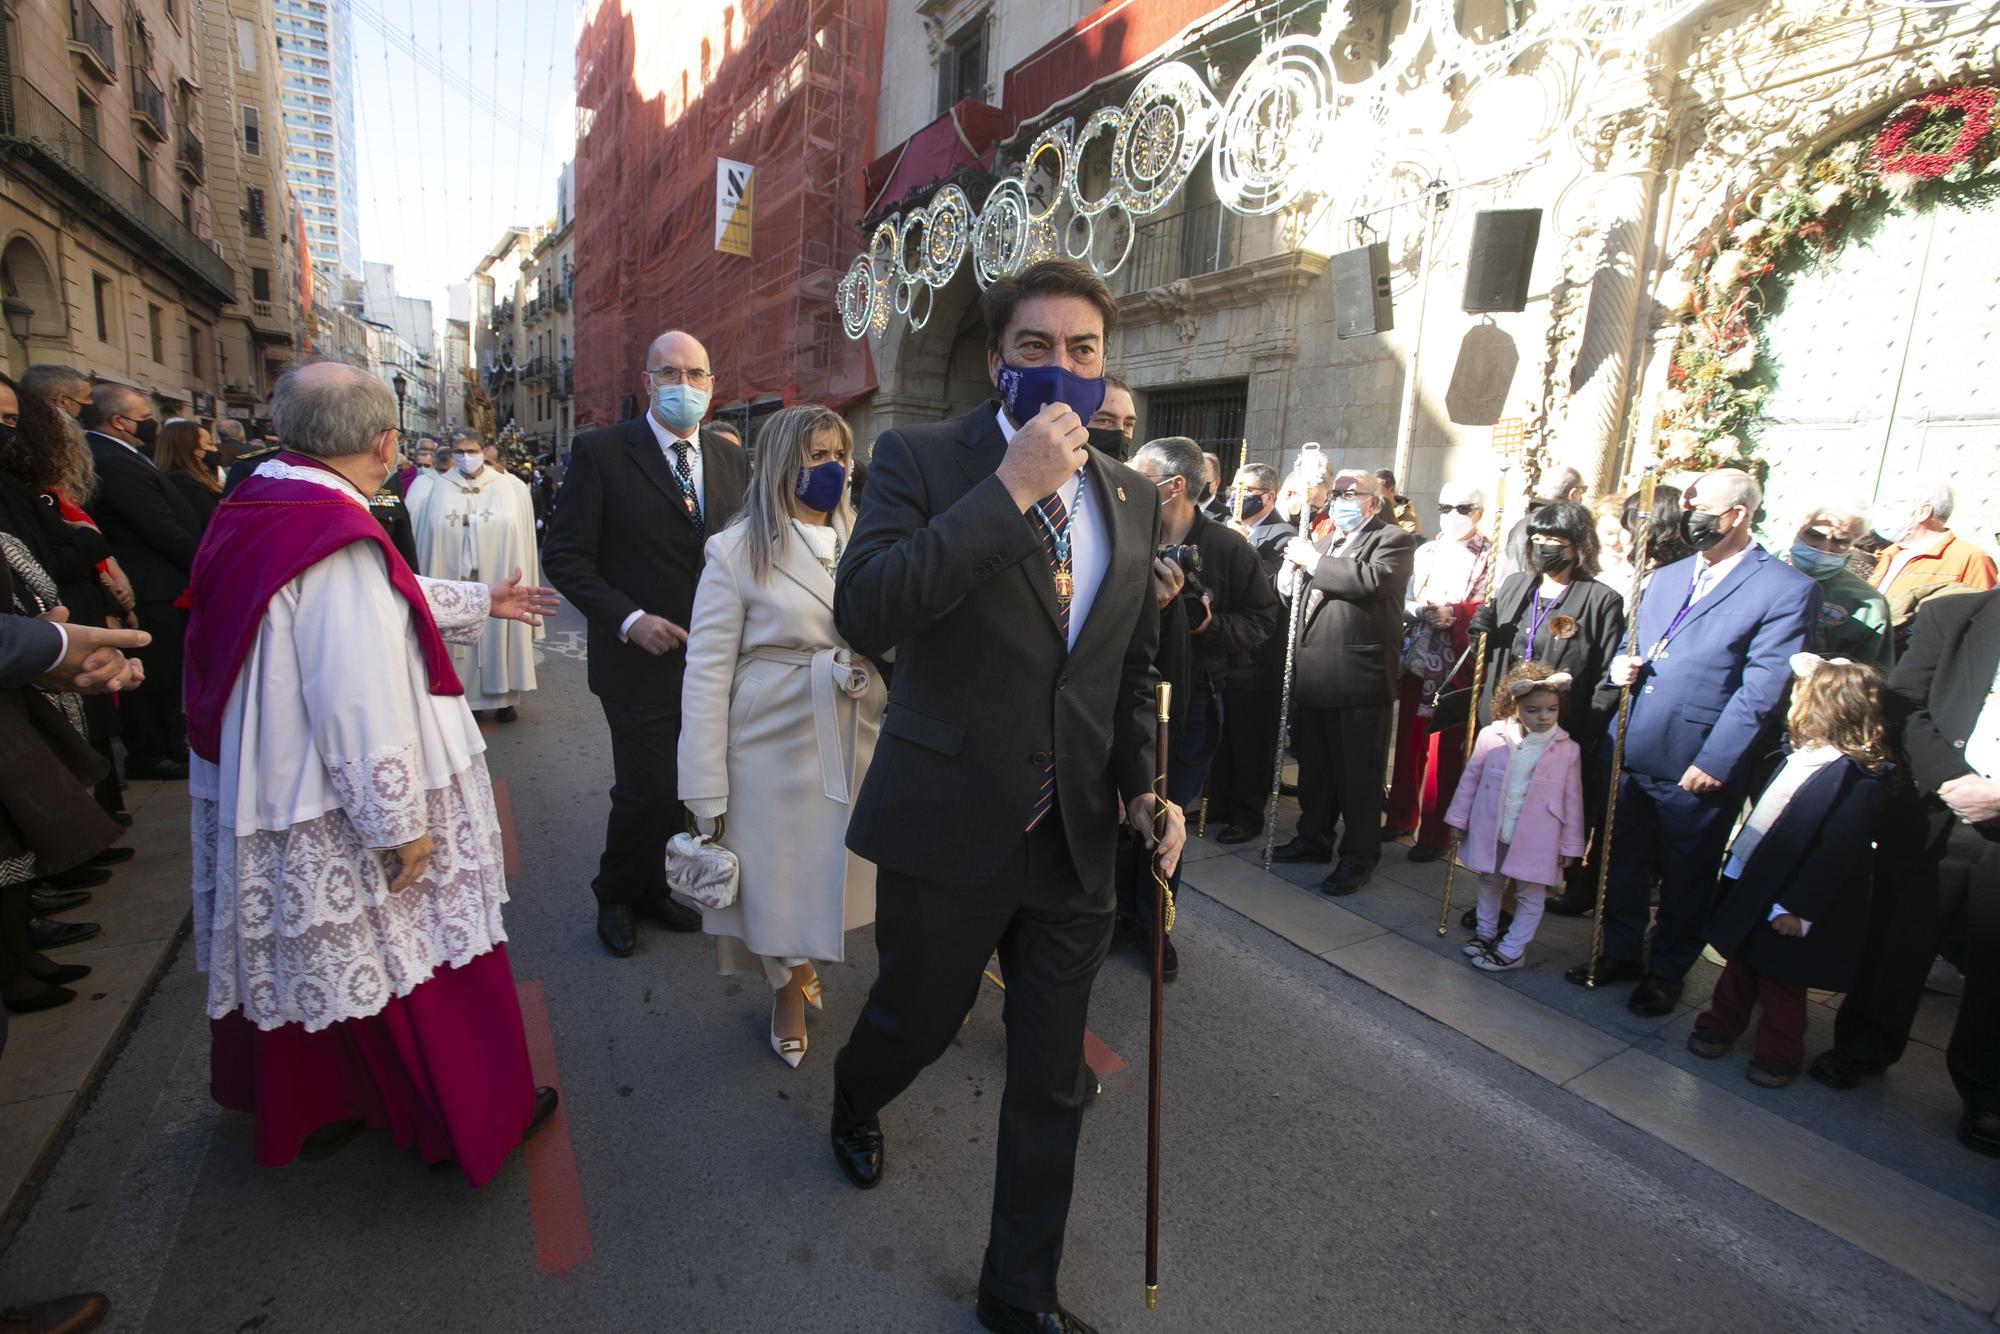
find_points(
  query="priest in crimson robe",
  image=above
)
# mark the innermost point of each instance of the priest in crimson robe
(477, 523)
(347, 862)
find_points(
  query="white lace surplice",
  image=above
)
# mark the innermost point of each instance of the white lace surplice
(333, 750)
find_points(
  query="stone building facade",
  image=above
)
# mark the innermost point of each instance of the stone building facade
(107, 253)
(1640, 146)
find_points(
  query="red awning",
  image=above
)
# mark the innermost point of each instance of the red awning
(1115, 36)
(962, 137)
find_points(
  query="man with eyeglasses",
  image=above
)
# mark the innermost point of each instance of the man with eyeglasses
(1242, 781)
(1344, 681)
(1853, 617)
(625, 545)
(153, 532)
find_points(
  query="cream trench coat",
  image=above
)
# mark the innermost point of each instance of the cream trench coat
(778, 722)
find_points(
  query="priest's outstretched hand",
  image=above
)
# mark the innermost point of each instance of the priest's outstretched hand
(512, 602)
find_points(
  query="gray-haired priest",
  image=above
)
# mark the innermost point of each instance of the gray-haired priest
(347, 864)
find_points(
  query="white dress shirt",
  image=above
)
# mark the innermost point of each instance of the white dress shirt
(1982, 748)
(668, 448)
(1709, 575)
(1089, 540)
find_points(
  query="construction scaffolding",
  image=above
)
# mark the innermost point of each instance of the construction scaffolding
(787, 86)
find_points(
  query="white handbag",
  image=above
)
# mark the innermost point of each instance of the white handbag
(701, 870)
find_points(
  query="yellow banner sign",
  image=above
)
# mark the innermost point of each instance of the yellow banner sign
(732, 206)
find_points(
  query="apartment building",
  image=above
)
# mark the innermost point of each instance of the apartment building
(499, 337)
(316, 44)
(547, 325)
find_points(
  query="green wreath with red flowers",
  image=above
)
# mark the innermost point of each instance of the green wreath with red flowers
(1944, 139)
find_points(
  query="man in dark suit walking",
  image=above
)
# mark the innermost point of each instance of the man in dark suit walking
(1242, 782)
(1939, 856)
(625, 545)
(1344, 678)
(1717, 632)
(153, 532)
(1009, 565)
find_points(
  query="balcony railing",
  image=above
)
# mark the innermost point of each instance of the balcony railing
(91, 31)
(1184, 245)
(149, 105)
(193, 160)
(563, 290)
(32, 127)
(564, 382)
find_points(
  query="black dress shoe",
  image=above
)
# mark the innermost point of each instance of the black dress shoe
(159, 771)
(1837, 1070)
(1980, 1132)
(1239, 833)
(48, 998)
(615, 929)
(122, 818)
(506, 715)
(78, 877)
(45, 902)
(1092, 1085)
(111, 857)
(1300, 850)
(669, 912)
(45, 933)
(1608, 970)
(1572, 905)
(330, 1139)
(546, 1100)
(63, 974)
(1423, 852)
(1471, 921)
(1350, 875)
(858, 1148)
(1654, 997)
(1001, 1318)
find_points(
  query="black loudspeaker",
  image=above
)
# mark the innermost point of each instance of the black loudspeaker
(1503, 252)
(1361, 302)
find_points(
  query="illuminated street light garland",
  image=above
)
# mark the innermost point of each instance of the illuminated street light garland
(1285, 132)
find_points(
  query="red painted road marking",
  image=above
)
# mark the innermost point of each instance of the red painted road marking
(510, 841)
(1100, 1057)
(555, 1192)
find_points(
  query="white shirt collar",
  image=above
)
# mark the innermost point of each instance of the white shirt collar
(1719, 571)
(668, 439)
(332, 481)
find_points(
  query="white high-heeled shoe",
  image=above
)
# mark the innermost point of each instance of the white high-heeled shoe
(810, 989)
(790, 1050)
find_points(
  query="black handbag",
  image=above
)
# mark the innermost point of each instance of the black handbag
(1451, 705)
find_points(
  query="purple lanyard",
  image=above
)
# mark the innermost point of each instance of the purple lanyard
(1659, 649)
(1537, 614)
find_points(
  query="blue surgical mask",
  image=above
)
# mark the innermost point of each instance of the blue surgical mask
(1819, 564)
(820, 487)
(680, 406)
(1347, 515)
(1894, 528)
(1026, 390)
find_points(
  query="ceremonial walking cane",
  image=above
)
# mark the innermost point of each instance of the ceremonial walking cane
(1292, 624)
(1478, 675)
(1647, 482)
(1163, 922)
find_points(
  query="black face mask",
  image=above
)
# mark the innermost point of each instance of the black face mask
(1700, 529)
(7, 434)
(147, 432)
(1111, 440)
(1548, 559)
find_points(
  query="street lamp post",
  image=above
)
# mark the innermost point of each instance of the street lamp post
(402, 388)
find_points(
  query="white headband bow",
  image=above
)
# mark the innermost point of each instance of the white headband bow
(1555, 681)
(1805, 664)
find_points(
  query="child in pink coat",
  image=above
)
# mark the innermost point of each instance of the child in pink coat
(1518, 812)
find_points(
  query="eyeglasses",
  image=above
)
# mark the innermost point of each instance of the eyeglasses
(1349, 494)
(1467, 508)
(673, 375)
(1814, 537)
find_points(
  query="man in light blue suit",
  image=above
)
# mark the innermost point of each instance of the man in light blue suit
(1716, 635)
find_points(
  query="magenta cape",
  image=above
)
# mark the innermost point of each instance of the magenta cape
(267, 533)
(444, 1070)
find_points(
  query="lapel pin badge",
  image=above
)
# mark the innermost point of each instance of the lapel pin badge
(1121, 495)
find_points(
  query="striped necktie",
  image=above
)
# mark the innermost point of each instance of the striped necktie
(691, 502)
(1054, 516)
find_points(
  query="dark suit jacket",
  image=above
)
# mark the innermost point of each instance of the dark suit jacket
(151, 530)
(620, 541)
(1267, 661)
(1244, 608)
(200, 500)
(1599, 613)
(1940, 685)
(945, 569)
(1349, 643)
(27, 646)
(1818, 861)
(1718, 689)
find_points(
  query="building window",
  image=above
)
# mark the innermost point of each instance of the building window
(260, 284)
(146, 171)
(253, 211)
(1211, 415)
(253, 132)
(246, 46)
(195, 367)
(86, 115)
(962, 66)
(187, 211)
(155, 335)
(100, 292)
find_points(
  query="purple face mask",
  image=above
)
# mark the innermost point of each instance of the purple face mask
(1026, 390)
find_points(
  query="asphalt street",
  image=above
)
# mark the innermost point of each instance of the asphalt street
(1334, 1160)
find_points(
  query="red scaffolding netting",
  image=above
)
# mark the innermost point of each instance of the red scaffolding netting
(788, 86)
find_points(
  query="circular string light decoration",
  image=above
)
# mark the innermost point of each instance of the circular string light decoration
(1273, 126)
(1168, 121)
